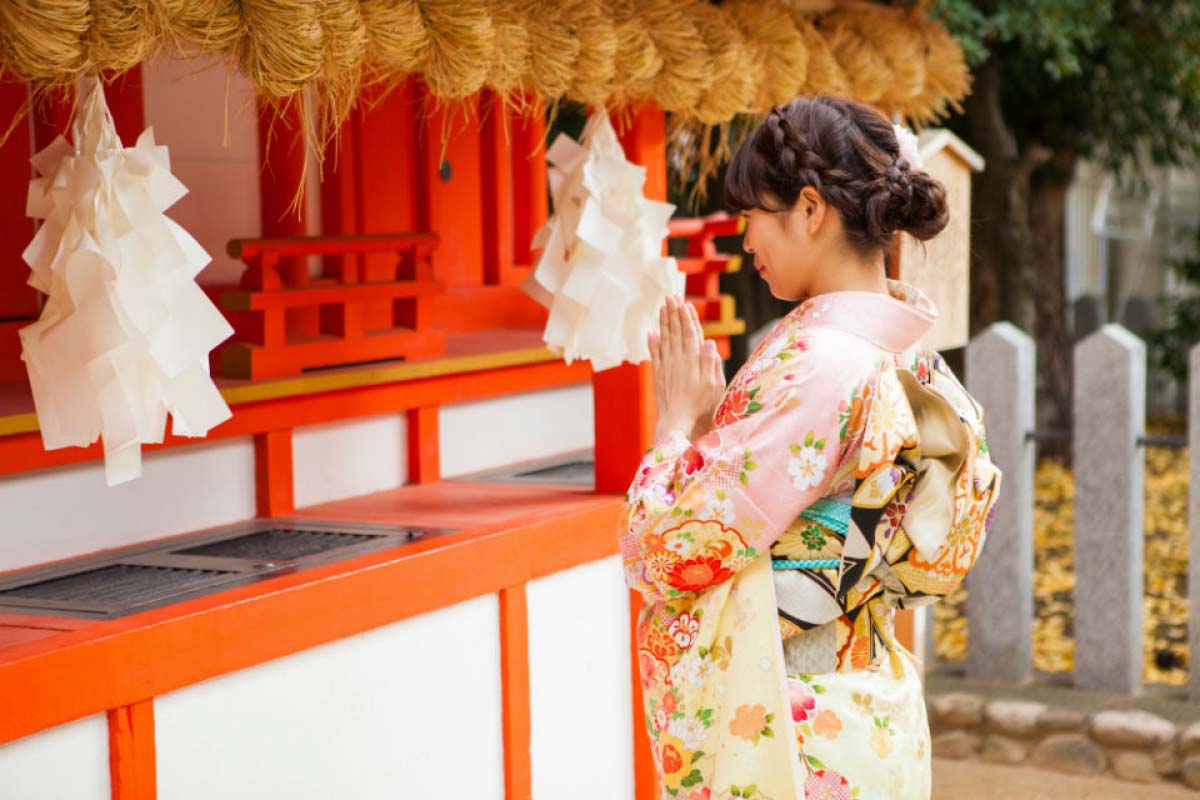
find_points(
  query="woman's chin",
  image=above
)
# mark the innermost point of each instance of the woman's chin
(778, 293)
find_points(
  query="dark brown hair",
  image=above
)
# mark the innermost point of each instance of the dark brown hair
(848, 152)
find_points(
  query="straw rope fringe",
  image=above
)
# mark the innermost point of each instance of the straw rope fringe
(689, 56)
(705, 63)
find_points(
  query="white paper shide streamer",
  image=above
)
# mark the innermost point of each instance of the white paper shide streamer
(601, 272)
(125, 332)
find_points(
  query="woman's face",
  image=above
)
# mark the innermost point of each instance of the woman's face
(788, 245)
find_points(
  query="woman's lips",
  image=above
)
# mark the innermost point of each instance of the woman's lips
(761, 269)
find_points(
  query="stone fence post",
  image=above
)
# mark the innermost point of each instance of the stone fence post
(1001, 376)
(1110, 413)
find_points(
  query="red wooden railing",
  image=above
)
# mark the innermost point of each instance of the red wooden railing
(703, 264)
(276, 284)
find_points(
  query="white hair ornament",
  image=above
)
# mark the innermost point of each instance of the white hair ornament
(909, 149)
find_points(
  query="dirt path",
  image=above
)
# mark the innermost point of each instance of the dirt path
(974, 780)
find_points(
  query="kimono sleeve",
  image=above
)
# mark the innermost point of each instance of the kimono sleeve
(698, 512)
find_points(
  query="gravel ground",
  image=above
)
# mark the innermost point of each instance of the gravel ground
(974, 780)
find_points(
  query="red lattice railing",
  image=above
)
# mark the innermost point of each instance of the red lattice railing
(704, 265)
(288, 322)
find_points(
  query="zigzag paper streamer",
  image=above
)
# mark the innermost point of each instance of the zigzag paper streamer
(125, 331)
(601, 271)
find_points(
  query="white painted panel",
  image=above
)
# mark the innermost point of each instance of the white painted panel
(349, 457)
(66, 762)
(68, 511)
(206, 114)
(504, 430)
(581, 684)
(412, 709)
(221, 204)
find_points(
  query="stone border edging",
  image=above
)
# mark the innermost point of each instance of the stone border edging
(1132, 745)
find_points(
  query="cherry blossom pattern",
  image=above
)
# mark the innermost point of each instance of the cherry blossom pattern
(751, 722)
(803, 701)
(808, 463)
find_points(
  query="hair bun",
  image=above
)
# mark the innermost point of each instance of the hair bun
(926, 212)
(903, 199)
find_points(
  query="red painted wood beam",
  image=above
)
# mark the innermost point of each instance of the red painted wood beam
(514, 684)
(624, 407)
(24, 452)
(422, 432)
(58, 679)
(530, 200)
(496, 171)
(274, 484)
(18, 301)
(281, 156)
(132, 763)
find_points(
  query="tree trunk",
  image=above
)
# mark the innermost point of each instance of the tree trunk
(1003, 267)
(1053, 332)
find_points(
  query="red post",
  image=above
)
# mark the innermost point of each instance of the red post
(625, 416)
(273, 474)
(281, 149)
(18, 301)
(341, 209)
(131, 752)
(624, 395)
(496, 170)
(424, 462)
(451, 187)
(530, 202)
(514, 682)
(125, 101)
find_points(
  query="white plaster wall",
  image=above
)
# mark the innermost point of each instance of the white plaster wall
(411, 709)
(66, 762)
(62, 512)
(504, 430)
(349, 457)
(580, 681)
(205, 114)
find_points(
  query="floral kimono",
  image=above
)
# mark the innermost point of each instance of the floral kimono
(846, 475)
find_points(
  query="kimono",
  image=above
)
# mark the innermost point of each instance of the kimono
(846, 475)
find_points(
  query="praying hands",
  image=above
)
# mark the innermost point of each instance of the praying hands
(688, 378)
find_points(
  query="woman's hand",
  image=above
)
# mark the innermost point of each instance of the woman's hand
(688, 381)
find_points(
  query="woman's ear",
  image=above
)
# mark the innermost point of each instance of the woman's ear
(812, 208)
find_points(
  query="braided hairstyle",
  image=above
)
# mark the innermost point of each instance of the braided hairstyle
(848, 152)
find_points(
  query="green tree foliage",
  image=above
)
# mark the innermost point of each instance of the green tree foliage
(1115, 80)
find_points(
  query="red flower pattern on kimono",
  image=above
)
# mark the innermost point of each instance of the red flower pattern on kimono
(803, 699)
(683, 630)
(693, 460)
(733, 407)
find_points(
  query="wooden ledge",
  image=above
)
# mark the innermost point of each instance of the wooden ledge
(466, 353)
(509, 534)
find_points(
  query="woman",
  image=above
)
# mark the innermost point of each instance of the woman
(842, 449)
